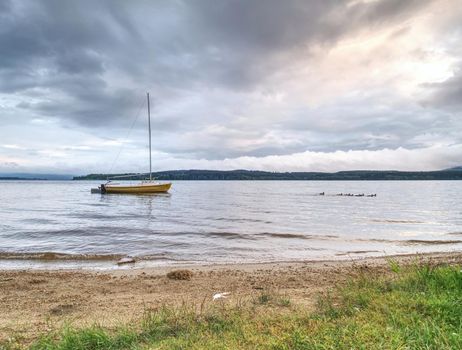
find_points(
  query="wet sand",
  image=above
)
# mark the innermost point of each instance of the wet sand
(34, 302)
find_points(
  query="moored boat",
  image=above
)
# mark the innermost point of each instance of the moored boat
(144, 187)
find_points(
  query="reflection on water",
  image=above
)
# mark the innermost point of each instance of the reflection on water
(248, 221)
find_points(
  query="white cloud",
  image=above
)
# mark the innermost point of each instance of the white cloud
(13, 147)
(430, 158)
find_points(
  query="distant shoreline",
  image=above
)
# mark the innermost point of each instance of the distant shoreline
(250, 175)
(239, 175)
(21, 179)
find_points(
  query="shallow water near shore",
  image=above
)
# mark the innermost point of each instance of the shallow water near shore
(48, 223)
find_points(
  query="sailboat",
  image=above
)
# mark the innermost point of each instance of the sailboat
(145, 186)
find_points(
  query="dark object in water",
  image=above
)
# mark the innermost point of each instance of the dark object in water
(49, 256)
(356, 195)
(95, 190)
(184, 275)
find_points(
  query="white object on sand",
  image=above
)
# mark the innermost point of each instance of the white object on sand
(223, 295)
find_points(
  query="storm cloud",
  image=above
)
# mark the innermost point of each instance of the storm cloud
(229, 79)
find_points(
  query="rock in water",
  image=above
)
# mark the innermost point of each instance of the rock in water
(126, 260)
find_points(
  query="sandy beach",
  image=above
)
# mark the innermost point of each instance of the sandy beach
(34, 302)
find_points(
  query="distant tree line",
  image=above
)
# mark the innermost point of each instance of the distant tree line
(21, 178)
(265, 175)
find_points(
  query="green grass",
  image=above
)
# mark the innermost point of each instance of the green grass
(418, 307)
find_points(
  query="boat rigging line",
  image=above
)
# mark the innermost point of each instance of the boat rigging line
(125, 176)
(128, 134)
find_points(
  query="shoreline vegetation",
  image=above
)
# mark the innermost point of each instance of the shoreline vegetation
(401, 302)
(363, 175)
(197, 174)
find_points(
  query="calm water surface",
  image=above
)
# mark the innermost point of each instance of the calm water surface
(239, 221)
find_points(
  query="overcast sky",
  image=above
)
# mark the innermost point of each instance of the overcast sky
(318, 85)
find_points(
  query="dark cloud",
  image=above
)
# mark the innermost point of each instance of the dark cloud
(70, 47)
(79, 62)
(88, 64)
(238, 44)
(447, 94)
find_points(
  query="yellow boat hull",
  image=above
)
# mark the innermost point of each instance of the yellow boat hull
(138, 189)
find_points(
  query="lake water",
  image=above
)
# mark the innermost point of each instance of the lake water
(226, 221)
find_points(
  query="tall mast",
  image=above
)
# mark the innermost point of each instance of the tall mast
(149, 124)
